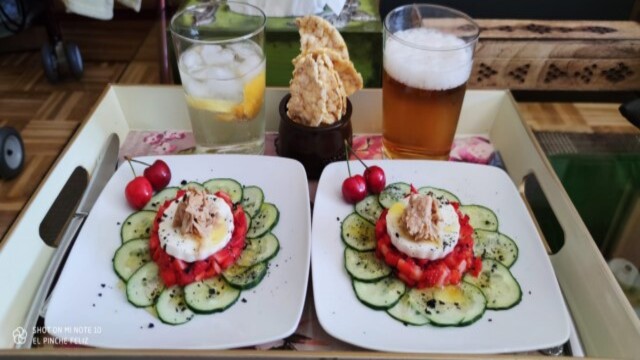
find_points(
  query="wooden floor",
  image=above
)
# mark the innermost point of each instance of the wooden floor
(126, 51)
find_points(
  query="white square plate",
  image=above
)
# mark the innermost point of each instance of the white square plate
(539, 321)
(89, 293)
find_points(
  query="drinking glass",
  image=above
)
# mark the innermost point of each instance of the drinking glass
(220, 50)
(427, 58)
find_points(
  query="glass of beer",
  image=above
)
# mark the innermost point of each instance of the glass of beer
(428, 54)
(220, 50)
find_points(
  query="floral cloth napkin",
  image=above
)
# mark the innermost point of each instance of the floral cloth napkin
(473, 149)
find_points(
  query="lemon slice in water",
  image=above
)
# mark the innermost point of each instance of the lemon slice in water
(213, 105)
(253, 97)
(253, 93)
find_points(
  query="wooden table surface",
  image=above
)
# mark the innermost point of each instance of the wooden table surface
(126, 52)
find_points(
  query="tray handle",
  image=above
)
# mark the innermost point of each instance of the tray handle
(606, 322)
(535, 200)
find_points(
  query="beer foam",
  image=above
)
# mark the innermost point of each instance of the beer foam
(437, 69)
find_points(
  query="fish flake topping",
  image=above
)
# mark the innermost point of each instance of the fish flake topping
(196, 214)
(421, 218)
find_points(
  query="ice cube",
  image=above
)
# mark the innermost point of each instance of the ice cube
(195, 88)
(249, 68)
(191, 60)
(230, 90)
(206, 50)
(219, 73)
(252, 61)
(221, 57)
(209, 51)
(198, 74)
(246, 49)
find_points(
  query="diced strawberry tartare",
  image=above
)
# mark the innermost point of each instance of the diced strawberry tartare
(421, 273)
(178, 272)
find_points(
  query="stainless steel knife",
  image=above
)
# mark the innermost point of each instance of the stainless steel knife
(105, 167)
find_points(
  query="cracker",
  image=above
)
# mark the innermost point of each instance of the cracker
(351, 78)
(323, 75)
(308, 102)
(318, 33)
(335, 105)
(342, 95)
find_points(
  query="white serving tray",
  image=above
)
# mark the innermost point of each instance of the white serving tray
(606, 324)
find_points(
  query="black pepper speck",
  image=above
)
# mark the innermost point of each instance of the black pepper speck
(431, 303)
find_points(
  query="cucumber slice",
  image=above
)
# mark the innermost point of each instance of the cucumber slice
(258, 250)
(245, 277)
(440, 194)
(210, 295)
(264, 220)
(394, 193)
(158, 199)
(252, 199)
(145, 285)
(137, 225)
(496, 246)
(229, 186)
(380, 295)
(404, 311)
(171, 307)
(358, 233)
(480, 217)
(130, 257)
(369, 208)
(497, 284)
(452, 305)
(365, 265)
(193, 185)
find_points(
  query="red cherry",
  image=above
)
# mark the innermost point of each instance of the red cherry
(375, 178)
(138, 192)
(354, 189)
(158, 174)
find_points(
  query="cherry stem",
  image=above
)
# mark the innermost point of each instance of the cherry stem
(137, 161)
(129, 161)
(346, 155)
(354, 154)
(357, 157)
